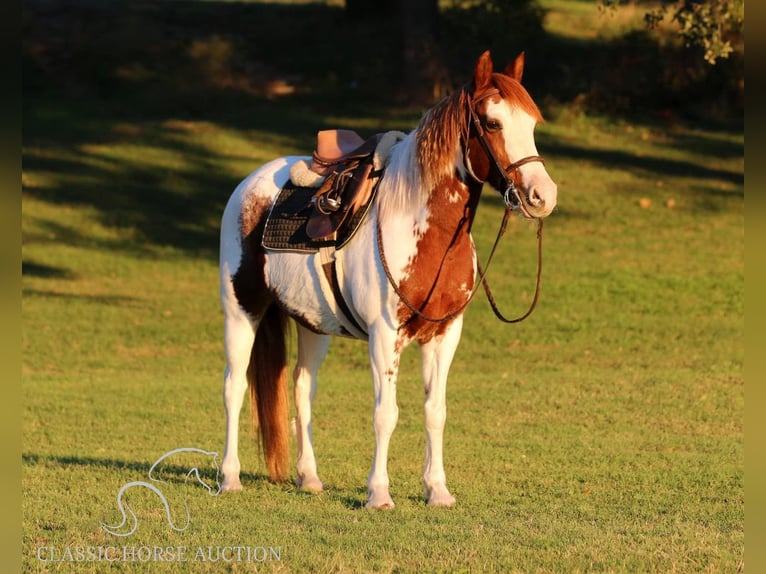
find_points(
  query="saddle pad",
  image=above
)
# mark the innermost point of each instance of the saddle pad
(286, 224)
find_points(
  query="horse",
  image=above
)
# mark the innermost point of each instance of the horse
(407, 274)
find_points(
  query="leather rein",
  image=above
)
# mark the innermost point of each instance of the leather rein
(512, 201)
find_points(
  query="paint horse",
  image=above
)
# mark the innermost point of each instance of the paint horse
(411, 262)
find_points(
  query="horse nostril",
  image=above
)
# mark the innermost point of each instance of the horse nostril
(535, 198)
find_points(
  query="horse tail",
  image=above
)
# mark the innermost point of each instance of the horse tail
(267, 379)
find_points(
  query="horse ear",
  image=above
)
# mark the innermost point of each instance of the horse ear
(515, 69)
(482, 75)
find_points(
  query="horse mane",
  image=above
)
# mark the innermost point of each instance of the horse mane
(438, 136)
(428, 153)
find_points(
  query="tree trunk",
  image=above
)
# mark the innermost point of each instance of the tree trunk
(423, 68)
(371, 10)
(416, 22)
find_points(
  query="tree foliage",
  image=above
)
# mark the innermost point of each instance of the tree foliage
(709, 24)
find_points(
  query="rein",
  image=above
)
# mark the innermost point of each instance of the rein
(512, 202)
(481, 282)
(532, 306)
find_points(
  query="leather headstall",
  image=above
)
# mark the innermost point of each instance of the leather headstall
(510, 193)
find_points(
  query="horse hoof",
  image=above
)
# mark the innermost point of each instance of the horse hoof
(380, 502)
(231, 486)
(310, 484)
(383, 506)
(441, 498)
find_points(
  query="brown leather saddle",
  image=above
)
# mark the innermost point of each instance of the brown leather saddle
(332, 197)
(346, 161)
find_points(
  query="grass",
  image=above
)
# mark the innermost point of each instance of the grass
(603, 434)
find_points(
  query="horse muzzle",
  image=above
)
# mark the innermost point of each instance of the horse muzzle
(534, 202)
(535, 193)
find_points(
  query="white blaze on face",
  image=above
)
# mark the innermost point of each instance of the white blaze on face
(518, 128)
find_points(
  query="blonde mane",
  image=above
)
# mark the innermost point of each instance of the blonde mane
(438, 137)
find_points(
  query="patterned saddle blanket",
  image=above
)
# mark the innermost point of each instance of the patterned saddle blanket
(289, 217)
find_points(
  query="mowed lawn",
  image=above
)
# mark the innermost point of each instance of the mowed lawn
(603, 434)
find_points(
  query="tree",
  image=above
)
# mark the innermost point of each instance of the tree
(432, 37)
(710, 24)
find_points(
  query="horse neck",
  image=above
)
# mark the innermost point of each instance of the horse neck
(452, 204)
(443, 203)
(406, 191)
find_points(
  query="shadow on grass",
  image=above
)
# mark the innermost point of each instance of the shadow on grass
(351, 498)
(31, 459)
(98, 299)
(617, 159)
(167, 473)
(32, 269)
(157, 206)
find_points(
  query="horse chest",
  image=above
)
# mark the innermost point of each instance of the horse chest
(440, 274)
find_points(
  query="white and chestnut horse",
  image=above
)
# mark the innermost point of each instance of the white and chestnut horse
(413, 251)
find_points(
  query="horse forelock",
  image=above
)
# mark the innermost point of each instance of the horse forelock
(516, 95)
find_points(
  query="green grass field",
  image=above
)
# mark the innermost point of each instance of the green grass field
(603, 434)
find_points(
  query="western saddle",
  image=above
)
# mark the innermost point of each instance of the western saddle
(347, 163)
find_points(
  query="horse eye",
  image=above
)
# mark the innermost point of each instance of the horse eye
(493, 125)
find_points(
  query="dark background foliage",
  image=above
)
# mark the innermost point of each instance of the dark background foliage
(193, 55)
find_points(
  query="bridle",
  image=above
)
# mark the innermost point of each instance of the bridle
(512, 202)
(510, 193)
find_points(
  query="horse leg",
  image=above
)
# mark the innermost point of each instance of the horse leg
(436, 357)
(312, 349)
(384, 359)
(239, 335)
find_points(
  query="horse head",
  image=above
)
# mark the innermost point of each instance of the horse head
(500, 147)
